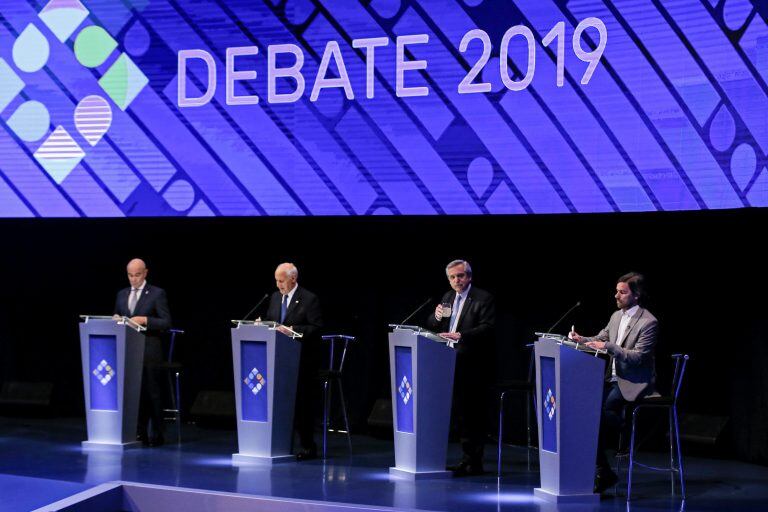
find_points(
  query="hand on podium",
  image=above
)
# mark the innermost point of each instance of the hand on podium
(573, 335)
(285, 330)
(141, 320)
(117, 317)
(596, 345)
(453, 336)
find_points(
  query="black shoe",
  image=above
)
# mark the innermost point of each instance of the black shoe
(604, 480)
(467, 468)
(142, 438)
(306, 454)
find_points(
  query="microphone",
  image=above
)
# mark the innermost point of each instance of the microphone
(563, 317)
(256, 306)
(416, 311)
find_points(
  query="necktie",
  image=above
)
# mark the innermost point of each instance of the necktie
(454, 313)
(132, 300)
(283, 308)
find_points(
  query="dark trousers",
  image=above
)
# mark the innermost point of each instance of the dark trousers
(152, 380)
(307, 395)
(470, 401)
(611, 422)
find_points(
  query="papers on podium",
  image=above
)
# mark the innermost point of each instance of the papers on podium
(564, 340)
(274, 326)
(120, 320)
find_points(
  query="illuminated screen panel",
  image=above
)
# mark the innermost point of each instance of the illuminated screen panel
(307, 107)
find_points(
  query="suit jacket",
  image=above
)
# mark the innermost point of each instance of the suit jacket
(635, 358)
(477, 324)
(152, 303)
(304, 314)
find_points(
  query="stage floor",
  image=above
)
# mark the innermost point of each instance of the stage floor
(41, 461)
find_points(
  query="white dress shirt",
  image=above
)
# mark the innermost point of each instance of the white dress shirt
(138, 293)
(626, 316)
(290, 298)
(463, 296)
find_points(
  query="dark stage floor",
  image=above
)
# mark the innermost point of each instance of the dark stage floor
(41, 462)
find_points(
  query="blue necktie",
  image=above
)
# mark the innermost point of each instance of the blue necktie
(283, 308)
(454, 313)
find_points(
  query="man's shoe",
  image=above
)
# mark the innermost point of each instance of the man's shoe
(467, 468)
(307, 454)
(604, 480)
(142, 438)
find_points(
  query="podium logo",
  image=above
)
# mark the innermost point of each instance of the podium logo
(255, 381)
(405, 390)
(104, 372)
(550, 403)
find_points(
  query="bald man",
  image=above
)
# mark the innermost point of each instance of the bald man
(299, 309)
(148, 306)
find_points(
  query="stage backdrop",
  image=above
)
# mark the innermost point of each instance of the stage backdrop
(345, 107)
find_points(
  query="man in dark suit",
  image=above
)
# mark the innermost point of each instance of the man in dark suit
(147, 306)
(630, 340)
(471, 324)
(299, 309)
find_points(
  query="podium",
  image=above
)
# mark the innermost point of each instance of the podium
(569, 387)
(266, 371)
(421, 366)
(112, 353)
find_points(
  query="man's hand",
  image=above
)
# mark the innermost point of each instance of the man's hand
(439, 312)
(596, 345)
(574, 336)
(454, 336)
(141, 320)
(285, 330)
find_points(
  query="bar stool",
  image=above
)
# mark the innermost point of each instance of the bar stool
(173, 371)
(660, 402)
(329, 376)
(527, 387)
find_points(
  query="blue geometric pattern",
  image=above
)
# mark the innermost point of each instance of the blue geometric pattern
(104, 372)
(673, 117)
(255, 381)
(550, 404)
(405, 390)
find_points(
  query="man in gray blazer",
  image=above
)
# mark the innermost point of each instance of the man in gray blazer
(630, 340)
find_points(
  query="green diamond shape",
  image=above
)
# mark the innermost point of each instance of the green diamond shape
(123, 81)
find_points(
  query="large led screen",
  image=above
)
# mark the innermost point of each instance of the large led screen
(381, 107)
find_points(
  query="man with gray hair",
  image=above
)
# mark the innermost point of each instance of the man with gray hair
(467, 315)
(298, 308)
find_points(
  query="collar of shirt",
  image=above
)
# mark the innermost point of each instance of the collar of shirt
(464, 294)
(291, 294)
(140, 289)
(631, 311)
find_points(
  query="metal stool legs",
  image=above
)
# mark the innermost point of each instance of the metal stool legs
(173, 371)
(174, 388)
(529, 397)
(334, 375)
(680, 468)
(501, 431)
(675, 454)
(327, 401)
(177, 406)
(676, 467)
